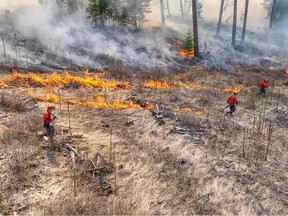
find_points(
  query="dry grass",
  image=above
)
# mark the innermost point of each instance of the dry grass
(251, 100)
(22, 129)
(14, 102)
(20, 160)
(188, 120)
(87, 202)
(175, 174)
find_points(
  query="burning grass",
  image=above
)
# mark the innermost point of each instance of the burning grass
(115, 104)
(33, 80)
(55, 80)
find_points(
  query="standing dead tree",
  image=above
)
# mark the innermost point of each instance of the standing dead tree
(4, 49)
(245, 21)
(162, 12)
(181, 8)
(234, 28)
(168, 8)
(219, 24)
(272, 15)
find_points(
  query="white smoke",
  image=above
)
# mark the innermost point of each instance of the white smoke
(14, 4)
(76, 39)
(66, 36)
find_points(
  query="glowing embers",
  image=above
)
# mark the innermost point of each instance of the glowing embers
(55, 80)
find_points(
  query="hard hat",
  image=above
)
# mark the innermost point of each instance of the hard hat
(50, 106)
(235, 92)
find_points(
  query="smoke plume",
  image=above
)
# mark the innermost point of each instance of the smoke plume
(35, 35)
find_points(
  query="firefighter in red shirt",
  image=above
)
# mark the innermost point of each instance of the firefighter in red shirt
(48, 116)
(263, 86)
(232, 102)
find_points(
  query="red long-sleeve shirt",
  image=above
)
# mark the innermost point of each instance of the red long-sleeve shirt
(232, 100)
(263, 85)
(47, 117)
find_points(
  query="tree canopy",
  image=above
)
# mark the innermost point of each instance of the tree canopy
(120, 12)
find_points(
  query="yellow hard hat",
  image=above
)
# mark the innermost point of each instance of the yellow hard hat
(50, 106)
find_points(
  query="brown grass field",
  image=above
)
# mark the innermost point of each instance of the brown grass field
(217, 165)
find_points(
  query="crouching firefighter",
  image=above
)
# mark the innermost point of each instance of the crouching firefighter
(232, 102)
(48, 117)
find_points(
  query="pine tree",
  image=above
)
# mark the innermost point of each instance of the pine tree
(187, 44)
(124, 18)
(99, 10)
(122, 12)
(93, 10)
(138, 9)
(118, 12)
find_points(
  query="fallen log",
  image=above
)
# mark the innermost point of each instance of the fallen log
(76, 136)
(71, 149)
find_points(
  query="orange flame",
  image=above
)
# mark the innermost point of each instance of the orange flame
(187, 53)
(55, 80)
(162, 85)
(189, 109)
(101, 102)
(218, 89)
(33, 80)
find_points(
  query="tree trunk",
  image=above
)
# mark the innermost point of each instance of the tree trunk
(3, 45)
(233, 43)
(162, 12)
(181, 8)
(220, 17)
(188, 9)
(245, 22)
(73, 6)
(168, 8)
(195, 28)
(272, 15)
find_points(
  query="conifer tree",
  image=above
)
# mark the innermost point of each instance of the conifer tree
(187, 44)
(138, 9)
(99, 10)
(122, 12)
(124, 18)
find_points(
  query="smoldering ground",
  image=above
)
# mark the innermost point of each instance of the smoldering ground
(40, 38)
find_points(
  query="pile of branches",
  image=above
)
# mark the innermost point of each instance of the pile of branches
(96, 169)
